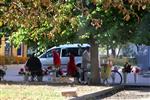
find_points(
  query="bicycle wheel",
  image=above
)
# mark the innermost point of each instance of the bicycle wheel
(115, 78)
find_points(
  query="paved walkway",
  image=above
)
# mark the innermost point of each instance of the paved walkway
(12, 75)
(141, 79)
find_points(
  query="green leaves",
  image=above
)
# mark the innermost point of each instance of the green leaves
(143, 31)
(20, 36)
(50, 22)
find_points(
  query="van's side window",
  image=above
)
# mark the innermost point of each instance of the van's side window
(49, 54)
(58, 50)
(74, 51)
(80, 51)
(64, 53)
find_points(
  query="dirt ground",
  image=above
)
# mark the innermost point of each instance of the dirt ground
(132, 94)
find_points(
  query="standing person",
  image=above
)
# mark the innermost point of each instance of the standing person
(109, 67)
(126, 69)
(71, 67)
(56, 62)
(106, 71)
(85, 62)
(35, 67)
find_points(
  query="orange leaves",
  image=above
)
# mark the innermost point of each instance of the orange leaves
(118, 4)
(135, 2)
(94, 2)
(45, 2)
(96, 23)
(50, 35)
(122, 6)
(141, 4)
(107, 4)
(127, 17)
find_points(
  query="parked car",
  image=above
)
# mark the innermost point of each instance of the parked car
(77, 49)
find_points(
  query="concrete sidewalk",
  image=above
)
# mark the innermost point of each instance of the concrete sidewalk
(141, 79)
(12, 75)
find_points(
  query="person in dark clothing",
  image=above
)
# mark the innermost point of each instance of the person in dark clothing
(2, 74)
(126, 69)
(35, 67)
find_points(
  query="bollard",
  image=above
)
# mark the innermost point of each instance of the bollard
(125, 77)
(135, 77)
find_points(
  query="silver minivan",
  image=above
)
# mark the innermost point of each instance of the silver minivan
(64, 50)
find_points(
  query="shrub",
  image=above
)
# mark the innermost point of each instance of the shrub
(120, 61)
(2, 60)
(12, 60)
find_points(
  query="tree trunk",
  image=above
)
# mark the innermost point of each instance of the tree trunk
(119, 51)
(137, 47)
(107, 51)
(113, 52)
(95, 75)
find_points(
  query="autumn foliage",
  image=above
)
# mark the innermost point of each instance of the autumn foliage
(127, 7)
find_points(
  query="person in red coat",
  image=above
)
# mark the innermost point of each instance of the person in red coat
(56, 62)
(56, 59)
(71, 67)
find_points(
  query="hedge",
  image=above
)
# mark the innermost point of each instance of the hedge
(12, 60)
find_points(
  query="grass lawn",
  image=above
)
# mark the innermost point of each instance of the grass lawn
(29, 92)
(36, 91)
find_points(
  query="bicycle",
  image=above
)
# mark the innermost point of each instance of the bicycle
(115, 77)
